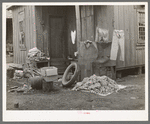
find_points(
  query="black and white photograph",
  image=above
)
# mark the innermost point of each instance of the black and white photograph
(75, 61)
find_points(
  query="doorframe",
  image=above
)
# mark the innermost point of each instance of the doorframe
(49, 41)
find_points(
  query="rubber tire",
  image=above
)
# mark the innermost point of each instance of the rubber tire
(66, 83)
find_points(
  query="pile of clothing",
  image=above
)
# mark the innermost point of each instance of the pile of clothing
(36, 55)
(101, 85)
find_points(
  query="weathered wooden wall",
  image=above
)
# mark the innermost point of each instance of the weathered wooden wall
(104, 19)
(71, 26)
(87, 23)
(9, 31)
(43, 38)
(111, 18)
(29, 30)
(125, 18)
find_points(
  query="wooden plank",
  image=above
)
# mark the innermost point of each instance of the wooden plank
(104, 17)
(17, 28)
(132, 43)
(78, 25)
(139, 56)
(83, 11)
(116, 17)
(21, 52)
(71, 26)
(87, 9)
(143, 55)
(136, 57)
(120, 27)
(135, 26)
(90, 28)
(39, 28)
(92, 10)
(14, 36)
(127, 41)
(34, 28)
(31, 25)
(23, 57)
(109, 21)
(17, 45)
(45, 34)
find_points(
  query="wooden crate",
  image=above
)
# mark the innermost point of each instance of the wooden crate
(100, 70)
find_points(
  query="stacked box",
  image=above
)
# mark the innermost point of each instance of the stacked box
(49, 71)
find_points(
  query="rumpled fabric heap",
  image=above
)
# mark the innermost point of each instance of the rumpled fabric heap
(101, 85)
(35, 54)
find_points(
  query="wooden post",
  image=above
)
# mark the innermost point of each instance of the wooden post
(78, 25)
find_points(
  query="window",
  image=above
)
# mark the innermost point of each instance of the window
(21, 26)
(141, 26)
(21, 30)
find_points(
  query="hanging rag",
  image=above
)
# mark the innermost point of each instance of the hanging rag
(102, 35)
(73, 36)
(117, 41)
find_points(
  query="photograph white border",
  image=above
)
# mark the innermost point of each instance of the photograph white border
(52, 115)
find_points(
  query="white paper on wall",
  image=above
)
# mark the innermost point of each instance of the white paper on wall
(73, 36)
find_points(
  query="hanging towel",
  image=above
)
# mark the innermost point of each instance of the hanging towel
(117, 41)
(73, 36)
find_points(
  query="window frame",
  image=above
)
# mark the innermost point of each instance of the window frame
(22, 44)
(138, 19)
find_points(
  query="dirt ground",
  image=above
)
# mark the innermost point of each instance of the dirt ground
(61, 98)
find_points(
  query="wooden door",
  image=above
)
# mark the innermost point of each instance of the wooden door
(57, 44)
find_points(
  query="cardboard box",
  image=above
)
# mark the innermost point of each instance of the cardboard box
(49, 71)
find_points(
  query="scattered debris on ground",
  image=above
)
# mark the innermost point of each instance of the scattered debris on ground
(101, 85)
(130, 98)
(25, 88)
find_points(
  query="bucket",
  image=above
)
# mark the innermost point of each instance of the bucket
(36, 82)
(10, 72)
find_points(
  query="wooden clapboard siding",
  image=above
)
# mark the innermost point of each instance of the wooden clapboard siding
(125, 18)
(48, 41)
(104, 18)
(140, 55)
(132, 40)
(126, 32)
(9, 30)
(42, 16)
(120, 26)
(87, 22)
(78, 24)
(45, 30)
(71, 26)
(29, 27)
(39, 29)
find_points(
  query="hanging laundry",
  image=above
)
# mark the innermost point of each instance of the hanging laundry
(117, 41)
(73, 36)
(102, 35)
